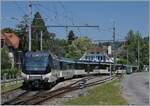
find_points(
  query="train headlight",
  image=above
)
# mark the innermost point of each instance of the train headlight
(46, 79)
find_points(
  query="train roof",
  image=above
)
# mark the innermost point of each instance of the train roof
(37, 53)
(92, 62)
(67, 60)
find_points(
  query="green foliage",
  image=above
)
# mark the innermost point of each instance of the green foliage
(8, 30)
(73, 52)
(60, 47)
(78, 47)
(73, 47)
(144, 54)
(23, 32)
(38, 25)
(23, 25)
(10, 73)
(122, 61)
(5, 60)
(71, 37)
(132, 46)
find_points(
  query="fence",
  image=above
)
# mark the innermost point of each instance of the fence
(9, 81)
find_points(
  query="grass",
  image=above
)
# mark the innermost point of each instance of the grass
(10, 87)
(105, 94)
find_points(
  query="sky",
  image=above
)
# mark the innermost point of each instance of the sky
(127, 15)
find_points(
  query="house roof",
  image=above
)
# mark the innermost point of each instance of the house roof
(97, 49)
(11, 39)
(95, 55)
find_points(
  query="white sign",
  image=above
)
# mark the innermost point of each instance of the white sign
(109, 49)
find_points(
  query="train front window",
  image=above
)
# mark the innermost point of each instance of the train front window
(36, 63)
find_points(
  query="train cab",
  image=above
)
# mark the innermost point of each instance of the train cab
(36, 69)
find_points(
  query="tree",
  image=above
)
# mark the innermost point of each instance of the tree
(71, 37)
(5, 60)
(78, 47)
(144, 53)
(23, 25)
(83, 43)
(8, 30)
(59, 47)
(122, 61)
(38, 25)
(23, 32)
(132, 40)
(74, 53)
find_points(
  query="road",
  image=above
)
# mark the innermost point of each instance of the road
(136, 88)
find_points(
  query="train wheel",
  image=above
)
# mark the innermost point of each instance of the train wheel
(25, 85)
(47, 86)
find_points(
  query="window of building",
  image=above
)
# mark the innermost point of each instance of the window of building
(98, 57)
(92, 52)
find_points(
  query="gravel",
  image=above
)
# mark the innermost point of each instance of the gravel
(136, 88)
(56, 101)
(16, 95)
(74, 94)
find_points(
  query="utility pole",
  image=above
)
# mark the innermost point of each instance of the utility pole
(30, 17)
(41, 40)
(127, 56)
(114, 54)
(138, 55)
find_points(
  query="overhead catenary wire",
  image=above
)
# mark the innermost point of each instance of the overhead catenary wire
(48, 9)
(20, 8)
(48, 17)
(65, 15)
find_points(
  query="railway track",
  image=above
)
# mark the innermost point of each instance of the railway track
(22, 96)
(42, 96)
(5, 93)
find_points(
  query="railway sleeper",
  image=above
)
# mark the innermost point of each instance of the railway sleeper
(37, 84)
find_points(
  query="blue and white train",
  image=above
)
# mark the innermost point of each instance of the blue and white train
(43, 69)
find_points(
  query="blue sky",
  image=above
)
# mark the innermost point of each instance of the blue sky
(127, 15)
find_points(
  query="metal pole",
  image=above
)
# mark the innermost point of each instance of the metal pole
(127, 55)
(30, 17)
(114, 45)
(41, 39)
(110, 71)
(138, 55)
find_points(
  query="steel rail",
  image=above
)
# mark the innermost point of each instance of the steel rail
(40, 98)
(18, 101)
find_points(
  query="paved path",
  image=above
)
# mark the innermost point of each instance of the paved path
(136, 88)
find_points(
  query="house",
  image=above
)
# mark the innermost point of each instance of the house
(97, 54)
(11, 41)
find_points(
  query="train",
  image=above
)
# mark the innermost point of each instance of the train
(42, 69)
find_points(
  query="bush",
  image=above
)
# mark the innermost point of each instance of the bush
(122, 61)
(10, 73)
(5, 60)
